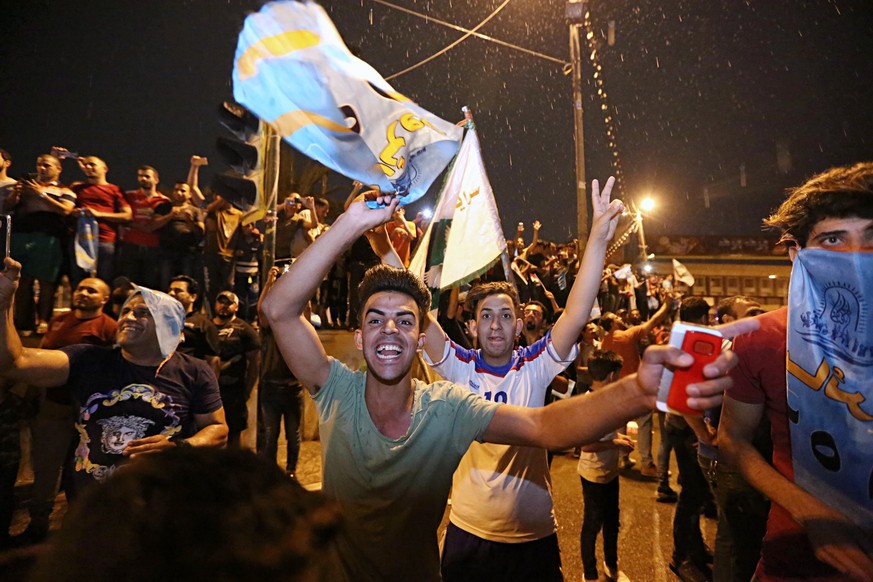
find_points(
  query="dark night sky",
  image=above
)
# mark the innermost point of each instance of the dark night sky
(696, 89)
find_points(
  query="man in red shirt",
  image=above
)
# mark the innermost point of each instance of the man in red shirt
(140, 239)
(52, 429)
(806, 539)
(105, 202)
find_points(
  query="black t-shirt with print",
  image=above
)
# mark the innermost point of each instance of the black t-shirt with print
(119, 401)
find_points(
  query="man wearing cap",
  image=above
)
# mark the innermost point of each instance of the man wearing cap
(135, 398)
(240, 353)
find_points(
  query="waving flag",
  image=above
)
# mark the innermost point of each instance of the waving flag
(830, 379)
(465, 237)
(85, 243)
(682, 274)
(293, 71)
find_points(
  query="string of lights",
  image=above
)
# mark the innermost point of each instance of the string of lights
(605, 110)
(617, 243)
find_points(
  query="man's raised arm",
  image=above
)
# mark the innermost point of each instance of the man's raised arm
(285, 305)
(578, 309)
(40, 368)
(194, 180)
(585, 419)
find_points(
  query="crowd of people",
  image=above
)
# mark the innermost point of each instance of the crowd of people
(170, 332)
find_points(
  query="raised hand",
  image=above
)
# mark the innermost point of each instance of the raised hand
(367, 217)
(605, 212)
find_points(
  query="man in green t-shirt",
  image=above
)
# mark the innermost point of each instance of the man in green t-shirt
(391, 444)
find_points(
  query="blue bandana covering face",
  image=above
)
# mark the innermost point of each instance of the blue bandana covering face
(830, 379)
(169, 316)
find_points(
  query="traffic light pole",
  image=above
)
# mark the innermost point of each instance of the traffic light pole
(272, 144)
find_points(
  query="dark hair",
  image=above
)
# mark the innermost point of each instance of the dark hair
(602, 363)
(193, 514)
(539, 304)
(52, 157)
(152, 169)
(323, 202)
(607, 320)
(193, 289)
(5, 155)
(384, 278)
(193, 286)
(483, 290)
(840, 192)
(727, 306)
(693, 309)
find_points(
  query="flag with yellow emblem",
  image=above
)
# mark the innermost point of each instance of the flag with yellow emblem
(464, 238)
(293, 70)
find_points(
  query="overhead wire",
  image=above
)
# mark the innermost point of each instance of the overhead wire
(468, 34)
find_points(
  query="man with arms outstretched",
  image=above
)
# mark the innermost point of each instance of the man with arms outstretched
(502, 525)
(391, 444)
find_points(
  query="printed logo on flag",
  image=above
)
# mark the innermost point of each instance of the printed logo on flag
(839, 323)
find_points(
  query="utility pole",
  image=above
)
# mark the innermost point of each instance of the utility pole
(575, 16)
(270, 185)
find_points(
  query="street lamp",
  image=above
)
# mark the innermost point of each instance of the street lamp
(647, 205)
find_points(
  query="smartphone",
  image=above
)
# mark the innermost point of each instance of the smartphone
(6, 230)
(704, 343)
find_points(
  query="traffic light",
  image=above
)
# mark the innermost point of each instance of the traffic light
(242, 184)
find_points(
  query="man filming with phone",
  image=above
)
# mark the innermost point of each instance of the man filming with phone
(40, 203)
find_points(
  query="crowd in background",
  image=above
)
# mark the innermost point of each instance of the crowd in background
(200, 250)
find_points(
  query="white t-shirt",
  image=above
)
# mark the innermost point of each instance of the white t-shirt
(502, 493)
(599, 467)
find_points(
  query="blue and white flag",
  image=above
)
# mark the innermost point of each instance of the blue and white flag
(85, 244)
(293, 71)
(830, 379)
